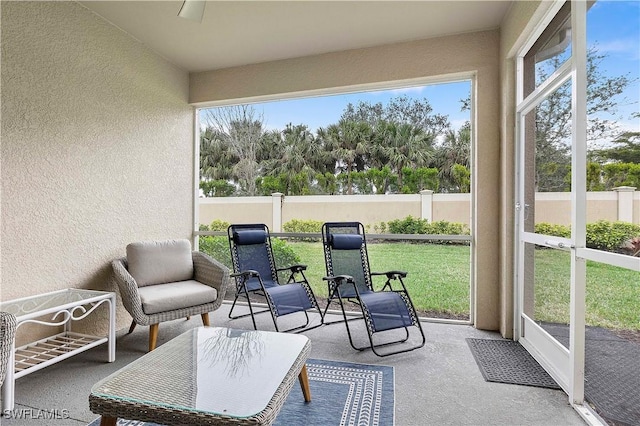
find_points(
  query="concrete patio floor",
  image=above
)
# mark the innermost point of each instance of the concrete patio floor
(439, 384)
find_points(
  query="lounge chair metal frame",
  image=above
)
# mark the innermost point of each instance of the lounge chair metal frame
(360, 289)
(266, 284)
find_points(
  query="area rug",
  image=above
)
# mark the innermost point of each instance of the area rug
(342, 393)
(506, 361)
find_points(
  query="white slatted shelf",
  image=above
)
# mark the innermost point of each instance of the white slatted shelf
(37, 355)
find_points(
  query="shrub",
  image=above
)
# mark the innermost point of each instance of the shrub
(218, 248)
(610, 236)
(545, 228)
(411, 225)
(304, 226)
(408, 225)
(216, 225)
(601, 235)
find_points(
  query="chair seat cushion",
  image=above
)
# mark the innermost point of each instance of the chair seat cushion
(289, 298)
(177, 295)
(388, 310)
(160, 262)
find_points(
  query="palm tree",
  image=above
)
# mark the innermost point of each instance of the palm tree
(455, 150)
(403, 145)
(216, 159)
(296, 153)
(349, 142)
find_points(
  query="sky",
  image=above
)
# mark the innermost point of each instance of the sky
(613, 26)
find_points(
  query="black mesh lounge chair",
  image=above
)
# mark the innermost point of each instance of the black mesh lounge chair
(256, 274)
(349, 278)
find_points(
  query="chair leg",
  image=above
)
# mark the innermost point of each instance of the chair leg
(205, 319)
(132, 327)
(153, 336)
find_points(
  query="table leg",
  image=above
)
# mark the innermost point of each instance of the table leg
(8, 387)
(304, 383)
(108, 421)
(112, 328)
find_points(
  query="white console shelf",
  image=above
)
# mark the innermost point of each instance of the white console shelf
(55, 309)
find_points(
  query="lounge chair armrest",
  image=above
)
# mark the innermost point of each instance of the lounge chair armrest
(246, 274)
(293, 268)
(345, 278)
(391, 274)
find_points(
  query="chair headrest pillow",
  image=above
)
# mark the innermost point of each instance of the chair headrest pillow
(249, 236)
(346, 241)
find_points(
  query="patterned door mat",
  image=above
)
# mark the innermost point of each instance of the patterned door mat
(506, 361)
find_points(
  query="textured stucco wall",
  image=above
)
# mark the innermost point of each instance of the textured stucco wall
(96, 149)
(476, 53)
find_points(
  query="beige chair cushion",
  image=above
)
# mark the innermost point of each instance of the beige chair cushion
(160, 262)
(178, 295)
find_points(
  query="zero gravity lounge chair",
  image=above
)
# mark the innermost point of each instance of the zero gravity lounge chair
(349, 278)
(255, 273)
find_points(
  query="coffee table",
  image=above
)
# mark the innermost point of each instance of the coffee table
(207, 376)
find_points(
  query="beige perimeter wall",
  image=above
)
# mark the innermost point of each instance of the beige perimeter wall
(96, 149)
(473, 54)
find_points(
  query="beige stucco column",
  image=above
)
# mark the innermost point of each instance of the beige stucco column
(625, 203)
(277, 198)
(426, 204)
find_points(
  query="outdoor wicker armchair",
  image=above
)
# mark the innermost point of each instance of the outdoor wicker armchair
(7, 336)
(164, 280)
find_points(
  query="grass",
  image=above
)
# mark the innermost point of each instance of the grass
(612, 298)
(437, 280)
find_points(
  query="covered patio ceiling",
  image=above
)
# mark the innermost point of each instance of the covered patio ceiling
(234, 33)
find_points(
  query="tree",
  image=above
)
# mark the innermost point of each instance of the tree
(291, 155)
(241, 129)
(216, 160)
(626, 149)
(402, 145)
(553, 119)
(399, 110)
(455, 150)
(349, 142)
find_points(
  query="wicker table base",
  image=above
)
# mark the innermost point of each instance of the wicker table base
(207, 376)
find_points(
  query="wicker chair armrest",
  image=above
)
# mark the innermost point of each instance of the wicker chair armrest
(210, 272)
(128, 290)
(7, 337)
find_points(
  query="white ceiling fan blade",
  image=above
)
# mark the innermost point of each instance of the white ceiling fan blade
(192, 9)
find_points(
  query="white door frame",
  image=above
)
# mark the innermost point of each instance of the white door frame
(566, 366)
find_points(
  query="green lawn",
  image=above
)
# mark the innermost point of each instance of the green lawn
(613, 294)
(437, 280)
